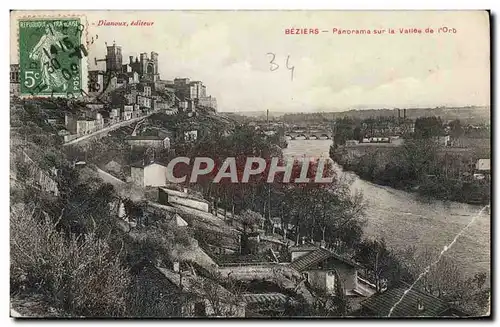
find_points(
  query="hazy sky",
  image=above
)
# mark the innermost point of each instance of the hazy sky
(227, 50)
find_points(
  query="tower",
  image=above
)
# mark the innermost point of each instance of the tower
(154, 59)
(144, 62)
(114, 58)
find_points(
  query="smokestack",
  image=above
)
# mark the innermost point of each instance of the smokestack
(131, 59)
(267, 116)
(399, 114)
(404, 113)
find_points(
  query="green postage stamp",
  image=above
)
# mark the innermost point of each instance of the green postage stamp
(52, 57)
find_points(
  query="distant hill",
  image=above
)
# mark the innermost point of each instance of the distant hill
(471, 114)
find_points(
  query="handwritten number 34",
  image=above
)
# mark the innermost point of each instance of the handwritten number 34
(274, 66)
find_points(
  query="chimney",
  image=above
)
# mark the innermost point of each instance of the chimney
(176, 266)
(420, 305)
(323, 244)
(404, 113)
(131, 59)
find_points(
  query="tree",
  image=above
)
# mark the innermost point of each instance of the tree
(357, 134)
(380, 263)
(456, 129)
(83, 275)
(447, 280)
(426, 127)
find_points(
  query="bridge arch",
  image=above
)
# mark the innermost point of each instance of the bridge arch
(302, 135)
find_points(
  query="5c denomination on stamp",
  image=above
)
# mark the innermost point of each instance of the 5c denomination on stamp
(51, 57)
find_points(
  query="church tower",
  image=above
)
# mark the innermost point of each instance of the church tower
(114, 58)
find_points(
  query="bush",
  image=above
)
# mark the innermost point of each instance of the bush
(81, 275)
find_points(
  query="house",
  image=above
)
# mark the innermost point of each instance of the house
(86, 126)
(173, 197)
(114, 115)
(179, 293)
(151, 141)
(483, 165)
(144, 101)
(127, 112)
(325, 270)
(150, 174)
(171, 111)
(413, 303)
(444, 140)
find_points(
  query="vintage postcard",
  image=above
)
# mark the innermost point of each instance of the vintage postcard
(250, 164)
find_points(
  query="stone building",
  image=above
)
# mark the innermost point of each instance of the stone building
(14, 79)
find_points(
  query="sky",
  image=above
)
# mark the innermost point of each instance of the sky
(229, 52)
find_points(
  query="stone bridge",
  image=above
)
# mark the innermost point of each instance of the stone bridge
(312, 134)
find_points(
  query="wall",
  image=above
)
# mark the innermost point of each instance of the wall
(137, 175)
(147, 143)
(348, 275)
(176, 197)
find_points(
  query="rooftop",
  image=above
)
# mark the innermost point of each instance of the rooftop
(142, 164)
(380, 304)
(197, 285)
(317, 256)
(265, 299)
(145, 137)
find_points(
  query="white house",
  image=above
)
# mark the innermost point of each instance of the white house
(483, 165)
(152, 174)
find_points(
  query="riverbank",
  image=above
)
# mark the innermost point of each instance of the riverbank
(388, 169)
(405, 220)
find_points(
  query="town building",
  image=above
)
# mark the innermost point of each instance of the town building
(150, 141)
(326, 271)
(483, 165)
(114, 115)
(148, 174)
(15, 86)
(208, 101)
(178, 292)
(143, 101)
(190, 136)
(187, 91)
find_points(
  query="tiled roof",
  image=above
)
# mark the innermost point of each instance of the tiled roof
(314, 257)
(197, 285)
(310, 259)
(380, 304)
(265, 298)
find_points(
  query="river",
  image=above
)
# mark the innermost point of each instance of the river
(404, 220)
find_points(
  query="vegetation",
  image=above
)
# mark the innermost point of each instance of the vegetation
(72, 250)
(419, 165)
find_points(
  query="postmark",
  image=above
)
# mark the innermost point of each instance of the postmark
(52, 56)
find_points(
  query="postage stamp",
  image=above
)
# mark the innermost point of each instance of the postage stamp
(52, 57)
